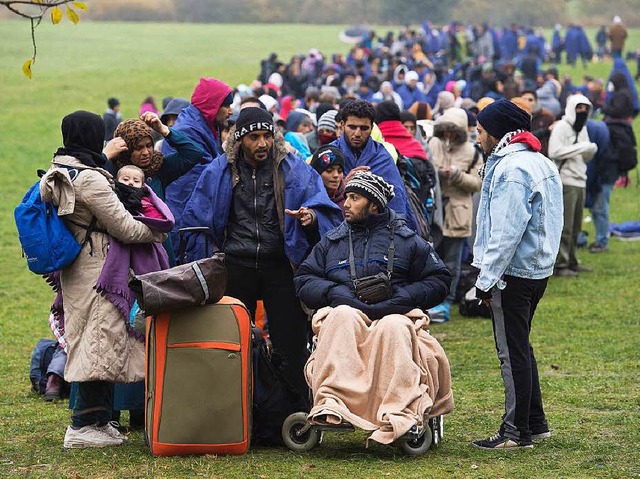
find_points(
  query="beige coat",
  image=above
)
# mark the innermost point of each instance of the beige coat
(459, 186)
(99, 347)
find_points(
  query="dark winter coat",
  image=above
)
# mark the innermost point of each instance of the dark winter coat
(620, 104)
(420, 279)
(603, 169)
(253, 231)
(295, 185)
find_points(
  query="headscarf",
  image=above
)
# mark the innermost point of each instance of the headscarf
(132, 131)
(82, 137)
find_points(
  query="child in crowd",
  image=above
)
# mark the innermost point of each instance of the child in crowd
(328, 161)
(130, 188)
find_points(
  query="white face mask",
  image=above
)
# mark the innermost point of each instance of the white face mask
(610, 87)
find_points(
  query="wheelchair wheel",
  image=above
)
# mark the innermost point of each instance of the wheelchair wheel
(419, 446)
(295, 440)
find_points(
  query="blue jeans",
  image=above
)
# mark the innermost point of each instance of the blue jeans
(600, 214)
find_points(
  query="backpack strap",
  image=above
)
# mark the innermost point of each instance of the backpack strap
(73, 174)
(476, 156)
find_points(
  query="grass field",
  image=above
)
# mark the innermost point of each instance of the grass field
(586, 332)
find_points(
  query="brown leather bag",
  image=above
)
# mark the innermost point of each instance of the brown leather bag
(192, 284)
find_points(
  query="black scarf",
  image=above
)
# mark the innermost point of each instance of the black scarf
(131, 197)
(83, 136)
(581, 120)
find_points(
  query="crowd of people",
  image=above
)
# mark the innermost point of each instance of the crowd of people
(359, 184)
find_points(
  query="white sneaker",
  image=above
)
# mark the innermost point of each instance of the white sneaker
(111, 429)
(88, 436)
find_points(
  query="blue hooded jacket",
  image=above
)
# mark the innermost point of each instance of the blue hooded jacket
(375, 156)
(191, 122)
(210, 203)
(602, 169)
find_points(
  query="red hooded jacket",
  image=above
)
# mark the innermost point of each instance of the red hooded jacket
(207, 97)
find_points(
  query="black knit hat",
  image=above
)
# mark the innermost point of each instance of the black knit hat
(253, 119)
(503, 116)
(327, 156)
(372, 187)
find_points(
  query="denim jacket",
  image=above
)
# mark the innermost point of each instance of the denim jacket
(520, 217)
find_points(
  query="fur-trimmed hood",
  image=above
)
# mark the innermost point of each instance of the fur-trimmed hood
(231, 148)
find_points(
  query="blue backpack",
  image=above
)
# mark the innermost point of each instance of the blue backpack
(46, 241)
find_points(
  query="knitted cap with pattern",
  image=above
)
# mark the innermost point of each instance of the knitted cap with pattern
(328, 121)
(372, 187)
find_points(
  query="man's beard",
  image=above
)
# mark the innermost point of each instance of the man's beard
(360, 217)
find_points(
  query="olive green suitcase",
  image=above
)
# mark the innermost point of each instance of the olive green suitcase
(199, 380)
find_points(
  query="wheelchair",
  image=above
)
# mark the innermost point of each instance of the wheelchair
(300, 434)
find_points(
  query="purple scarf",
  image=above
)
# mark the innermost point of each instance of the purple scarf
(142, 258)
(114, 278)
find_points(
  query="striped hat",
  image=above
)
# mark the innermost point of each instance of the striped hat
(372, 187)
(328, 121)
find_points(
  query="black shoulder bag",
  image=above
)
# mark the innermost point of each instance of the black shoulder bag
(375, 288)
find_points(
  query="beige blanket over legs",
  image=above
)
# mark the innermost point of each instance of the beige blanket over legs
(383, 376)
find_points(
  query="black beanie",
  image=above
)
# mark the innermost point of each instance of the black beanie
(503, 116)
(372, 187)
(387, 111)
(253, 119)
(327, 156)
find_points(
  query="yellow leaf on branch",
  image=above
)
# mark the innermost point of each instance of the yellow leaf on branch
(56, 15)
(80, 5)
(26, 68)
(73, 16)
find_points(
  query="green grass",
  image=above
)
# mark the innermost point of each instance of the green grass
(586, 332)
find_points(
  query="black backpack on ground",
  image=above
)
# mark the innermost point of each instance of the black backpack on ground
(273, 397)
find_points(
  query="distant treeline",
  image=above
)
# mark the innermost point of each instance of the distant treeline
(392, 12)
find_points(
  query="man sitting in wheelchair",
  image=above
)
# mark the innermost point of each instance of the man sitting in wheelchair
(375, 365)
